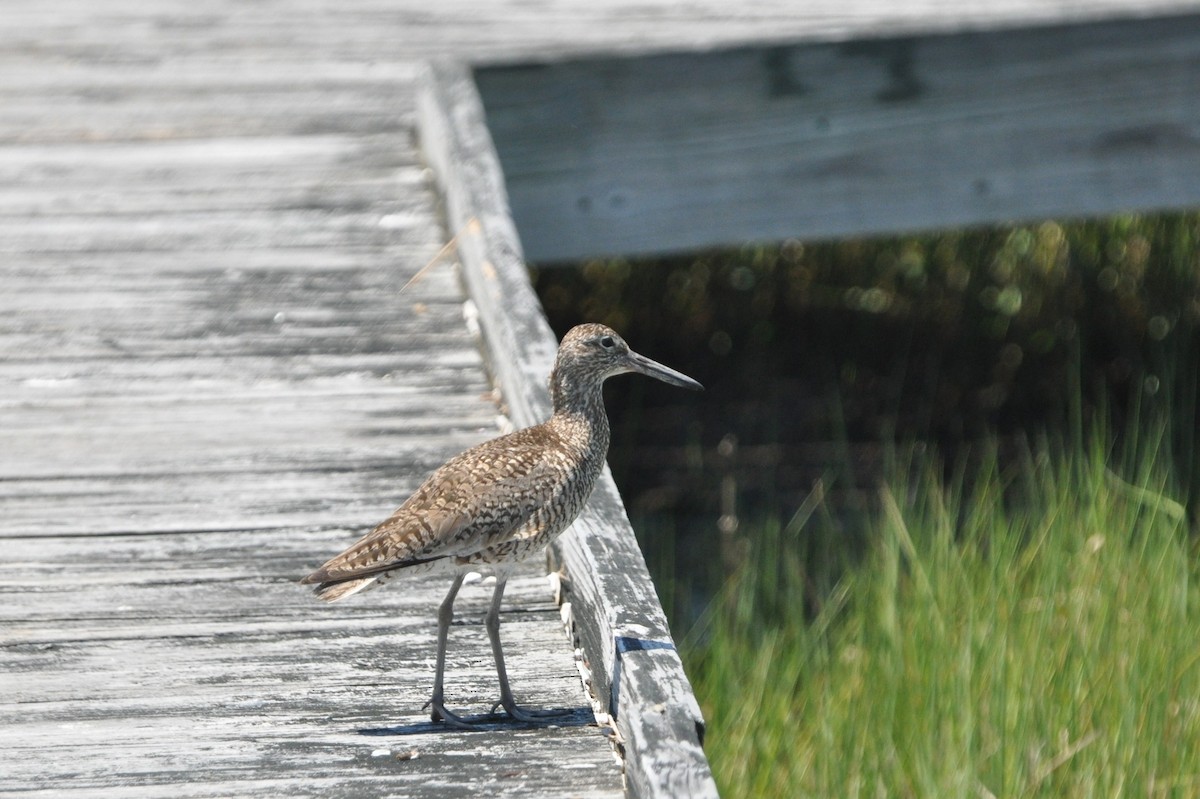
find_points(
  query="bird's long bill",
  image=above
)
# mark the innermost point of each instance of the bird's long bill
(666, 374)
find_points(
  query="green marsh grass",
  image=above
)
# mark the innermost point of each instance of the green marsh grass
(1025, 629)
(1031, 631)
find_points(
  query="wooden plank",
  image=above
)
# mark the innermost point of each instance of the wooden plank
(322, 174)
(312, 32)
(218, 700)
(684, 151)
(209, 383)
(635, 669)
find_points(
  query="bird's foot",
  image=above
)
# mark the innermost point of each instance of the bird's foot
(438, 712)
(526, 715)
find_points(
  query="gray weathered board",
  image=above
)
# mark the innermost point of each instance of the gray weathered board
(196, 407)
(621, 626)
(209, 383)
(818, 139)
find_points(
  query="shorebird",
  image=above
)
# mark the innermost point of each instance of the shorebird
(500, 502)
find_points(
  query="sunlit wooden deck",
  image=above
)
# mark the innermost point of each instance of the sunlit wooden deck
(209, 382)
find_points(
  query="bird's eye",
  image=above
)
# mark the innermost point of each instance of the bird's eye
(607, 342)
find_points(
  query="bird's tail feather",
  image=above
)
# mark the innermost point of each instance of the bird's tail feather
(332, 592)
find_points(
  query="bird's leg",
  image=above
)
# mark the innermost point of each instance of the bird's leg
(492, 623)
(438, 710)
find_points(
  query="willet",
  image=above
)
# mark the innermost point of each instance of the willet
(501, 501)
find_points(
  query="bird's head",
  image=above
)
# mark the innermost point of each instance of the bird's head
(589, 354)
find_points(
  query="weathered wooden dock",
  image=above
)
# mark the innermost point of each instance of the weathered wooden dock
(209, 382)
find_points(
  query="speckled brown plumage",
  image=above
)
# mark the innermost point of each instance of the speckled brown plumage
(504, 500)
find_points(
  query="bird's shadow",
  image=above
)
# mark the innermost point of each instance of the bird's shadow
(484, 722)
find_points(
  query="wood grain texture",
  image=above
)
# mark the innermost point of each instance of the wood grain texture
(616, 612)
(210, 383)
(815, 140)
(285, 45)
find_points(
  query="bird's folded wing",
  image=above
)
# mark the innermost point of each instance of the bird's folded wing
(394, 544)
(457, 512)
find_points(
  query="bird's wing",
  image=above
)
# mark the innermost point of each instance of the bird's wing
(477, 499)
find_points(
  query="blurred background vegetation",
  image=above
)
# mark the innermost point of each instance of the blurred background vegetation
(931, 530)
(816, 355)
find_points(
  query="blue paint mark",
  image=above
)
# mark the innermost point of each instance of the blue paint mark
(625, 644)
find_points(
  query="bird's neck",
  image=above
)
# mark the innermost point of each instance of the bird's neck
(576, 393)
(579, 411)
